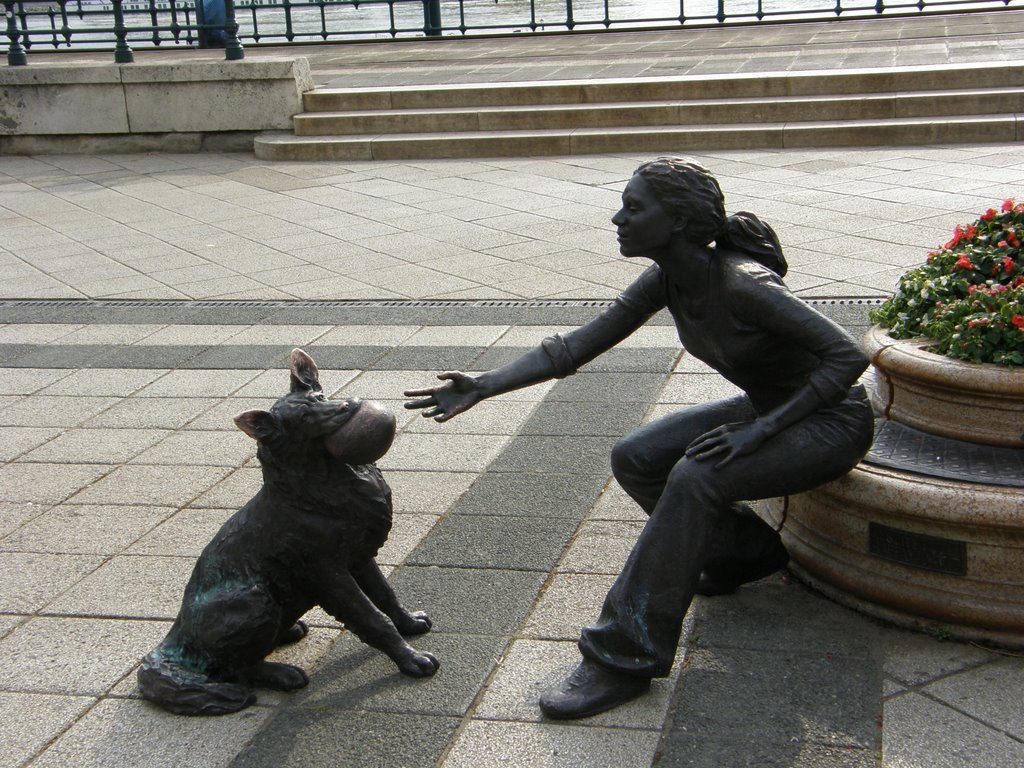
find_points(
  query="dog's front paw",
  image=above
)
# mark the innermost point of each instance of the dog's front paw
(418, 664)
(415, 623)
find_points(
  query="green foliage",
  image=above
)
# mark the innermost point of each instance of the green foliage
(969, 295)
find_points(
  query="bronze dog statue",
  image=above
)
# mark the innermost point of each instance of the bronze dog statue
(308, 538)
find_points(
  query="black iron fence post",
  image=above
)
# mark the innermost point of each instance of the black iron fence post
(432, 18)
(233, 50)
(201, 34)
(122, 51)
(16, 56)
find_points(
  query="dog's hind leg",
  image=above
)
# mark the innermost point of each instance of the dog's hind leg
(292, 628)
(292, 633)
(242, 626)
(376, 587)
(237, 627)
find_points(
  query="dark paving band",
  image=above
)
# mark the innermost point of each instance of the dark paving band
(850, 313)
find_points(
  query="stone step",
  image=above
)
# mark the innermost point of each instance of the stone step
(722, 86)
(865, 106)
(583, 141)
(966, 103)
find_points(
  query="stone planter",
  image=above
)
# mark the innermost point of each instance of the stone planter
(941, 396)
(928, 530)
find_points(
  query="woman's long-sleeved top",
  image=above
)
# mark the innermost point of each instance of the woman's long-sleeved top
(749, 327)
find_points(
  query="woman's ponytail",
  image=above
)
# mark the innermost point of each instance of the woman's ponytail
(745, 232)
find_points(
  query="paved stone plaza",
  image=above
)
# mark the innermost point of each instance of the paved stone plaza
(147, 299)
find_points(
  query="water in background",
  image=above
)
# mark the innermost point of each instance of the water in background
(84, 23)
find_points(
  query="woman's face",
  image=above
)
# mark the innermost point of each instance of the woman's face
(643, 225)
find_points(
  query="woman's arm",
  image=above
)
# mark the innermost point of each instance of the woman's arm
(557, 356)
(841, 362)
(731, 440)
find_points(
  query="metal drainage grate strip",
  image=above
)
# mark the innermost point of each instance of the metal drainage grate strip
(355, 304)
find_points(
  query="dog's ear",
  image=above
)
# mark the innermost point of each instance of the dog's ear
(305, 374)
(258, 425)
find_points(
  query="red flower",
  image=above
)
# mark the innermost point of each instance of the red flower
(989, 214)
(961, 233)
(964, 262)
(1007, 205)
(1018, 322)
(1008, 265)
(1002, 244)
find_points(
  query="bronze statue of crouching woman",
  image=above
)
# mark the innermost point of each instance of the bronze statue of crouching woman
(801, 421)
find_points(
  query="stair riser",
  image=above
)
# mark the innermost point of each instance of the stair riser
(979, 131)
(1007, 129)
(672, 89)
(866, 108)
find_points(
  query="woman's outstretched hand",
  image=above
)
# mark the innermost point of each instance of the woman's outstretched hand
(727, 441)
(458, 394)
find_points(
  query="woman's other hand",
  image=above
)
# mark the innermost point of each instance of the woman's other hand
(458, 394)
(727, 441)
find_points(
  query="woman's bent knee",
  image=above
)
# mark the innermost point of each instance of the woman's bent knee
(627, 461)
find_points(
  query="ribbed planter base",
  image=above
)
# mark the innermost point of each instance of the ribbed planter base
(923, 552)
(940, 396)
(941, 629)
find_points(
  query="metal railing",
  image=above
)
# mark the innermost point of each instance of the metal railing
(91, 25)
(123, 24)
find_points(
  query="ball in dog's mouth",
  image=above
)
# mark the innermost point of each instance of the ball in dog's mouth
(366, 436)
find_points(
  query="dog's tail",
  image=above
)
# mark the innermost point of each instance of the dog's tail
(183, 691)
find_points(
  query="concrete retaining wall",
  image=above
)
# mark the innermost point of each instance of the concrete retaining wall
(180, 106)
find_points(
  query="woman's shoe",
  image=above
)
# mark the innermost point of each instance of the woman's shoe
(590, 690)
